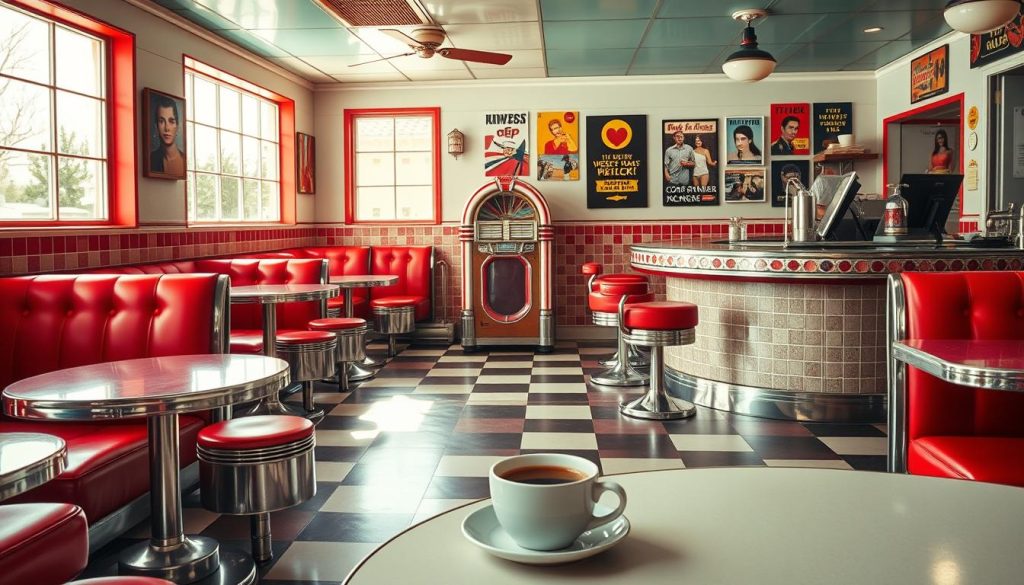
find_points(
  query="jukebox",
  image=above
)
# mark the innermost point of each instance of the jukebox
(506, 238)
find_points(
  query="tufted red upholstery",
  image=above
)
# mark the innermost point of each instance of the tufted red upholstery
(660, 316)
(610, 303)
(300, 337)
(956, 431)
(336, 323)
(412, 265)
(42, 543)
(342, 261)
(255, 432)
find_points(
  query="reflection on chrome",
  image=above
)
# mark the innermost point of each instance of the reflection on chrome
(400, 414)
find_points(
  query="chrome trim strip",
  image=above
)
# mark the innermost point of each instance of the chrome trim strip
(986, 378)
(433, 306)
(325, 277)
(509, 340)
(660, 338)
(773, 404)
(896, 329)
(34, 474)
(547, 328)
(221, 328)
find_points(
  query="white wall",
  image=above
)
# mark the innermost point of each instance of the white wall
(463, 105)
(159, 46)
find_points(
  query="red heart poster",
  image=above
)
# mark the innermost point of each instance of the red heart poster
(616, 161)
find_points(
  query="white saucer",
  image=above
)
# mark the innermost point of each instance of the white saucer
(482, 529)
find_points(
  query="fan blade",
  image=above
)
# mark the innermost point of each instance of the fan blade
(382, 59)
(475, 56)
(401, 36)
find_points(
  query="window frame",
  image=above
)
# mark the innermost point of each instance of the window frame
(286, 169)
(350, 116)
(119, 84)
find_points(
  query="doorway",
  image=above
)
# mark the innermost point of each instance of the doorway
(1006, 139)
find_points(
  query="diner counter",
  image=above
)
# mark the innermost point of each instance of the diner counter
(792, 333)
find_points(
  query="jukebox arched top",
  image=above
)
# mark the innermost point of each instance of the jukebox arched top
(506, 199)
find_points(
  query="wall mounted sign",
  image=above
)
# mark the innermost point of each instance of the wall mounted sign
(971, 177)
(306, 163)
(506, 144)
(929, 74)
(558, 139)
(689, 162)
(744, 185)
(972, 117)
(782, 172)
(830, 120)
(1000, 43)
(972, 141)
(791, 129)
(616, 160)
(744, 139)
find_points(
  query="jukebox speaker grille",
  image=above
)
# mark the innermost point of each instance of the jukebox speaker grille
(522, 230)
(490, 230)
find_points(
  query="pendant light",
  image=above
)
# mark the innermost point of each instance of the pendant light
(980, 16)
(749, 63)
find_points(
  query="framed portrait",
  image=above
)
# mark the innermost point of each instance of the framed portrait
(782, 172)
(306, 164)
(790, 129)
(689, 153)
(744, 141)
(744, 185)
(163, 135)
(929, 74)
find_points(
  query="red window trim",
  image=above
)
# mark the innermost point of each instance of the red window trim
(122, 164)
(350, 196)
(286, 140)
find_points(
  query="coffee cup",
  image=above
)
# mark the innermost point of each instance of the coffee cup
(845, 139)
(545, 500)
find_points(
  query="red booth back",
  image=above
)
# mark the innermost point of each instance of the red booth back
(247, 271)
(61, 321)
(412, 266)
(962, 305)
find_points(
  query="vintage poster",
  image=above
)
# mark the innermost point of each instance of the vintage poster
(998, 44)
(506, 144)
(558, 139)
(617, 161)
(744, 139)
(830, 120)
(791, 129)
(689, 162)
(929, 74)
(744, 185)
(782, 172)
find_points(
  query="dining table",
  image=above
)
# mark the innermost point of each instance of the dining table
(358, 371)
(28, 460)
(157, 389)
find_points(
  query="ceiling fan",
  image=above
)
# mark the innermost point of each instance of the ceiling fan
(426, 42)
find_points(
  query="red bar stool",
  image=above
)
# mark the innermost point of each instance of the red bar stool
(311, 355)
(604, 304)
(350, 333)
(656, 325)
(256, 465)
(637, 358)
(394, 316)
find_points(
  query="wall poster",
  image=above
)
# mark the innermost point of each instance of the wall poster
(617, 161)
(830, 120)
(744, 139)
(929, 74)
(689, 162)
(997, 44)
(782, 172)
(558, 138)
(744, 185)
(791, 129)
(506, 144)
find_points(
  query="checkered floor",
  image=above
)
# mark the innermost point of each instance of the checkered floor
(419, 438)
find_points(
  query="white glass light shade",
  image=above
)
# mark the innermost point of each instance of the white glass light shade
(748, 69)
(980, 16)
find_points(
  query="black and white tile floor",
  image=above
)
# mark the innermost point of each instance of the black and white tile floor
(419, 438)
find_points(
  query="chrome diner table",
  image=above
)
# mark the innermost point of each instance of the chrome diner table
(753, 525)
(347, 283)
(158, 389)
(28, 460)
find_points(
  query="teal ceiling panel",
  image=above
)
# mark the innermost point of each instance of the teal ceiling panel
(690, 32)
(560, 10)
(889, 5)
(583, 62)
(317, 41)
(827, 56)
(883, 56)
(263, 14)
(706, 8)
(819, 6)
(594, 34)
(253, 43)
(675, 60)
(927, 30)
(207, 19)
(782, 29)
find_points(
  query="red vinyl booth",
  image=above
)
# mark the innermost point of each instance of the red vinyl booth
(61, 321)
(341, 261)
(950, 430)
(414, 267)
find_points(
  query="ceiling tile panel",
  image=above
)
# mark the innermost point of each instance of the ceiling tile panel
(495, 37)
(207, 19)
(435, 63)
(513, 73)
(439, 74)
(828, 56)
(819, 6)
(561, 10)
(300, 67)
(343, 64)
(253, 43)
(318, 41)
(888, 53)
(492, 11)
(370, 77)
(264, 14)
(693, 32)
(926, 30)
(887, 5)
(674, 60)
(583, 62)
(781, 29)
(520, 60)
(594, 34)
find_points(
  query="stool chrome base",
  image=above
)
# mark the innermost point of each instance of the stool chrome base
(637, 358)
(195, 558)
(653, 406)
(620, 375)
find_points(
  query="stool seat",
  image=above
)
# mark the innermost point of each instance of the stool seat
(618, 278)
(590, 268)
(300, 337)
(123, 580)
(610, 303)
(613, 288)
(336, 323)
(396, 301)
(659, 315)
(255, 432)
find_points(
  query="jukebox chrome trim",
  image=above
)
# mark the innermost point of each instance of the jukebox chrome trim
(527, 306)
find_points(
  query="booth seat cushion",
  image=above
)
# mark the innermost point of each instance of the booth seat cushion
(413, 267)
(255, 432)
(336, 323)
(247, 341)
(991, 459)
(42, 543)
(108, 462)
(660, 316)
(420, 305)
(610, 303)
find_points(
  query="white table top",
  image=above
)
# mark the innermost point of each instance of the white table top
(738, 526)
(28, 460)
(282, 293)
(361, 280)
(140, 387)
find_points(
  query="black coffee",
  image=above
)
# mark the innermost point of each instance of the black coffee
(543, 475)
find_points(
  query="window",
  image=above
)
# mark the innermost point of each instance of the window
(234, 138)
(392, 166)
(55, 136)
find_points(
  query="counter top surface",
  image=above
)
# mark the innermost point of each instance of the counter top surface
(771, 259)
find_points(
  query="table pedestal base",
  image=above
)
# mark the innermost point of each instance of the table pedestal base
(230, 567)
(275, 407)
